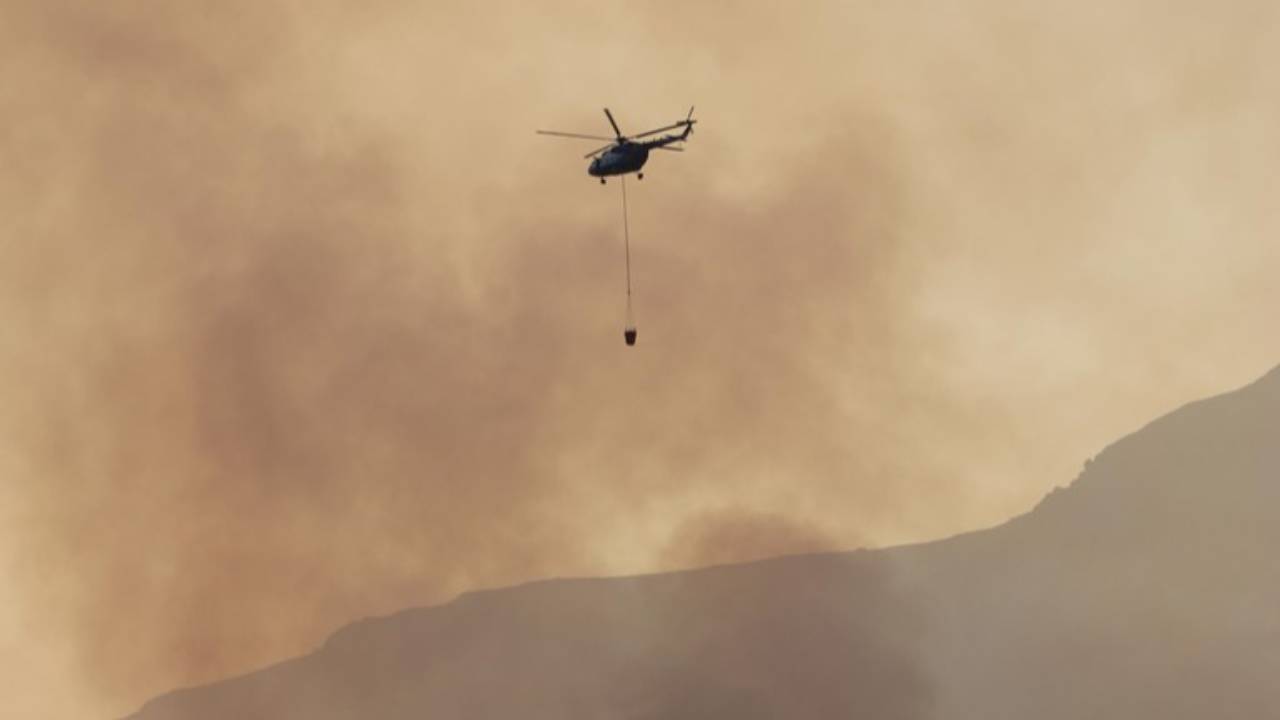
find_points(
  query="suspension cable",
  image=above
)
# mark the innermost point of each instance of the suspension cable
(629, 332)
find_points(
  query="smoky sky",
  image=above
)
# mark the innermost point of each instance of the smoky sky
(302, 323)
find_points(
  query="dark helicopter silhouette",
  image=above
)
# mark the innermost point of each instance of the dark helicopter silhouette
(626, 154)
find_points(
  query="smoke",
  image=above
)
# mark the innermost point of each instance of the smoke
(303, 323)
(724, 536)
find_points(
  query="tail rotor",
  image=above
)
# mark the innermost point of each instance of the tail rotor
(688, 123)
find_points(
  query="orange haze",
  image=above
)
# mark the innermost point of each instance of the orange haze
(301, 321)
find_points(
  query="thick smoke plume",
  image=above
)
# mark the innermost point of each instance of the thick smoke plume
(302, 323)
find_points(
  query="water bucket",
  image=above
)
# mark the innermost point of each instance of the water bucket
(629, 335)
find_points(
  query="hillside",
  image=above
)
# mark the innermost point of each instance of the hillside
(1147, 589)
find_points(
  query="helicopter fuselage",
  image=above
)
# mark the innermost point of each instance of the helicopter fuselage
(619, 160)
(629, 154)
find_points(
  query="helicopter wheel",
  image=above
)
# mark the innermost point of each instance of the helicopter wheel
(601, 181)
(639, 176)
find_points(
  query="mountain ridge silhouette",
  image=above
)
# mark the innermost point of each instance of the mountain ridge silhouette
(1145, 588)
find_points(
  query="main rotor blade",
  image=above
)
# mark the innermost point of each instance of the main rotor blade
(614, 124)
(672, 126)
(668, 148)
(599, 150)
(572, 135)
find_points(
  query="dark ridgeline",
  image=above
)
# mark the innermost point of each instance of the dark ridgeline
(1148, 589)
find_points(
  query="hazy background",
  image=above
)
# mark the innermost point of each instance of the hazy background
(301, 322)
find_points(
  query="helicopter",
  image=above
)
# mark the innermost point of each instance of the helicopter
(626, 154)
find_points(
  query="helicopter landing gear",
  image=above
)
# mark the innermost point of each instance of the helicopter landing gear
(601, 181)
(639, 176)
